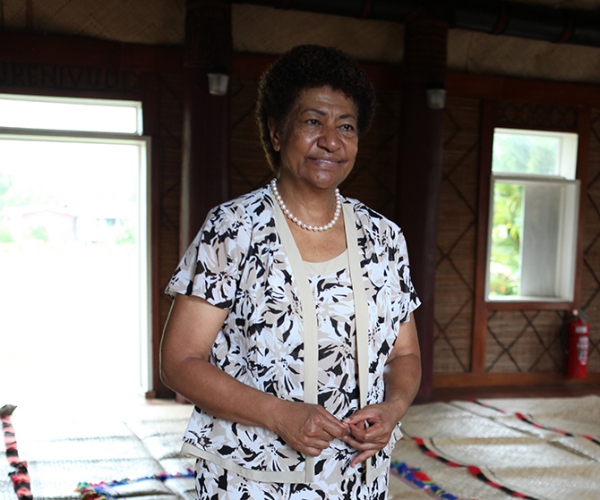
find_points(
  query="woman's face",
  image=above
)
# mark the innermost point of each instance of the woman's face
(319, 141)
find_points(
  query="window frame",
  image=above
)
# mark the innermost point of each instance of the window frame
(147, 252)
(538, 180)
(482, 308)
(566, 293)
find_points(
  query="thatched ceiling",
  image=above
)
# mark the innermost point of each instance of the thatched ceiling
(268, 30)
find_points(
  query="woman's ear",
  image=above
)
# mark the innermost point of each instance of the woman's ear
(274, 133)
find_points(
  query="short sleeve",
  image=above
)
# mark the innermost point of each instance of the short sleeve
(405, 291)
(211, 266)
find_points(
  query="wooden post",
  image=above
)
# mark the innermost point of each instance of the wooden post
(420, 170)
(206, 129)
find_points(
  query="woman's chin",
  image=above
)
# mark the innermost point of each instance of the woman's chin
(328, 178)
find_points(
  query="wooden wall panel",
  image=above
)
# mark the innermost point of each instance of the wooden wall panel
(524, 342)
(455, 272)
(590, 294)
(536, 115)
(373, 178)
(169, 141)
(249, 169)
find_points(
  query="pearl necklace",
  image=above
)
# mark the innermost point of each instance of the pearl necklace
(304, 225)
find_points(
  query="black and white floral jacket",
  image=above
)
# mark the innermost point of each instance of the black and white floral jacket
(243, 260)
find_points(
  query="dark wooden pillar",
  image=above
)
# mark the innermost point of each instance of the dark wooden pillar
(420, 169)
(206, 130)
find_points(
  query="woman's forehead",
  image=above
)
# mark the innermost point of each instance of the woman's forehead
(323, 99)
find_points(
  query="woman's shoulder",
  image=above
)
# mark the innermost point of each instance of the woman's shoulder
(246, 208)
(373, 221)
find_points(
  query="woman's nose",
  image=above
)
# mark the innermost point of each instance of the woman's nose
(329, 138)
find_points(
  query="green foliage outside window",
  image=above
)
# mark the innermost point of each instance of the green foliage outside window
(514, 154)
(505, 262)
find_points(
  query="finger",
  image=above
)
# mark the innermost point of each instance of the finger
(328, 423)
(313, 451)
(335, 429)
(364, 415)
(320, 431)
(364, 445)
(363, 432)
(311, 444)
(355, 443)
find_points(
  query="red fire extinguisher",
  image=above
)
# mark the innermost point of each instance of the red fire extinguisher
(578, 331)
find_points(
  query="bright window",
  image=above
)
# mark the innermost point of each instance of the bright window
(533, 216)
(77, 115)
(74, 243)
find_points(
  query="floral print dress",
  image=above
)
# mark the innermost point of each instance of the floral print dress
(337, 393)
(337, 384)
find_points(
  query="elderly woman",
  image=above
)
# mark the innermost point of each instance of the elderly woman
(292, 329)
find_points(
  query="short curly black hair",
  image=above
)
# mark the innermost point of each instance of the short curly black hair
(304, 67)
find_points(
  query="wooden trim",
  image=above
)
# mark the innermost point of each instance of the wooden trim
(89, 52)
(82, 51)
(74, 93)
(584, 126)
(247, 65)
(537, 127)
(29, 14)
(149, 90)
(517, 89)
(480, 312)
(508, 379)
(383, 76)
(524, 306)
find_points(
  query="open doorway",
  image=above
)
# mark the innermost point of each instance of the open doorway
(73, 252)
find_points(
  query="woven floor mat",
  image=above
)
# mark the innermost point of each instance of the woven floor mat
(538, 406)
(556, 483)
(547, 422)
(544, 448)
(58, 479)
(83, 445)
(457, 481)
(434, 411)
(579, 446)
(465, 427)
(506, 453)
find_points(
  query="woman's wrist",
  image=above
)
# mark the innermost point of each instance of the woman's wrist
(398, 408)
(273, 408)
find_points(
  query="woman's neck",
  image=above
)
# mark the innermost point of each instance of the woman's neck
(313, 206)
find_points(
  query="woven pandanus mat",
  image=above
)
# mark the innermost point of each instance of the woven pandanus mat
(528, 466)
(500, 452)
(542, 448)
(537, 406)
(579, 446)
(586, 405)
(462, 427)
(548, 419)
(435, 411)
(456, 481)
(564, 482)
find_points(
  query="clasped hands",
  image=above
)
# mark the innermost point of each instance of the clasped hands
(309, 428)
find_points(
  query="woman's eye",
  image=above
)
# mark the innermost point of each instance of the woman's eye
(312, 121)
(346, 127)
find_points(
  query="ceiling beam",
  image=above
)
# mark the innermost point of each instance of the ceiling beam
(496, 17)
